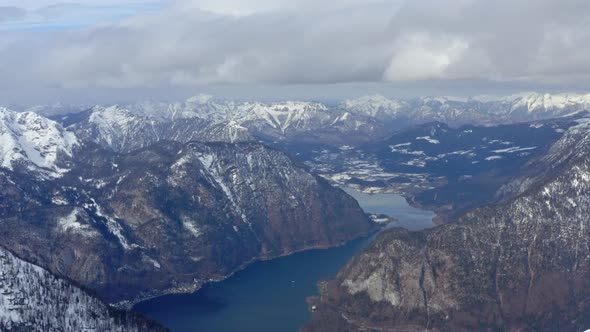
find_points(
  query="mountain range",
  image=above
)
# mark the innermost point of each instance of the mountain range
(351, 121)
(135, 223)
(139, 200)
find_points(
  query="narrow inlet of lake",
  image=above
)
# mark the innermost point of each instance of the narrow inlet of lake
(395, 206)
(271, 295)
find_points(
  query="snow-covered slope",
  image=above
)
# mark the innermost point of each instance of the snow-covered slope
(34, 141)
(574, 144)
(537, 102)
(373, 115)
(374, 105)
(32, 299)
(352, 121)
(283, 116)
(458, 111)
(289, 120)
(123, 129)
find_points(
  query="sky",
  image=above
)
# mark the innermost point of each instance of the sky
(124, 50)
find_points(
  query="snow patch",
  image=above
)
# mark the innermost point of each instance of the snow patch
(35, 140)
(428, 139)
(71, 224)
(514, 149)
(191, 227)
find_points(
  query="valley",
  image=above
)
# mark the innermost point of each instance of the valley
(171, 208)
(298, 166)
(271, 295)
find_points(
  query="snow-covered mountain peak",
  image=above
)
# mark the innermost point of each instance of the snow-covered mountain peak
(280, 115)
(443, 99)
(543, 102)
(369, 99)
(34, 140)
(372, 105)
(113, 115)
(285, 106)
(375, 98)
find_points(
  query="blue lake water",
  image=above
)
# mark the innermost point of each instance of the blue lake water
(271, 295)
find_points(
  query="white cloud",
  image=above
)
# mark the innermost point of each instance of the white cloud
(421, 57)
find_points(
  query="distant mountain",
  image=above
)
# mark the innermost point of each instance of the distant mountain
(167, 217)
(353, 121)
(521, 265)
(32, 299)
(537, 106)
(208, 119)
(123, 130)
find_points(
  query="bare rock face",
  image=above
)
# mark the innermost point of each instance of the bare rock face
(171, 216)
(520, 266)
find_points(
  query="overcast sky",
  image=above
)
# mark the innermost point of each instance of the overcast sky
(118, 50)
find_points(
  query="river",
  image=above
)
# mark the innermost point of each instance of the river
(271, 295)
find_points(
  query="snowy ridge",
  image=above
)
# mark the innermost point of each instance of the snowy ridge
(125, 129)
(35, 140)
(352, 121)
(535, 102)
(372, 105)
(281, 116)
(113, 122)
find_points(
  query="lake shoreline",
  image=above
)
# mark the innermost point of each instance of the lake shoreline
(270, 293)
(189, 289)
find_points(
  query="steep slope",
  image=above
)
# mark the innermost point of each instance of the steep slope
(33, 142)
(123, 130)
(32, 299)
(290, 120)
(523, 265)
(534, 106)
(171, 216)
(574, 144)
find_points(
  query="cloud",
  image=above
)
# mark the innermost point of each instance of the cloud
(421, 56)
(45, 14)
(279, 42)
(195, 47)
(10, 12)
(31, 5)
